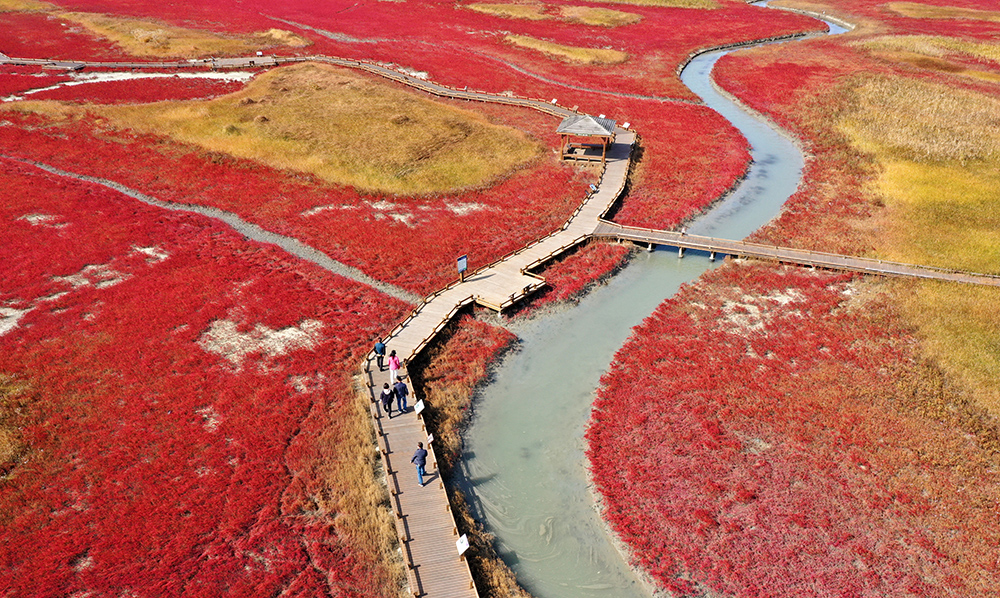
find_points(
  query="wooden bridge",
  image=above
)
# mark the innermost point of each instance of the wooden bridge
(723, 247)
(424, 523)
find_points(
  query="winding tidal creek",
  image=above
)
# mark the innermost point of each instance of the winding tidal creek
(524, 466)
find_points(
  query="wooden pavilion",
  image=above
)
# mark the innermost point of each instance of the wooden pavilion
(588, 127)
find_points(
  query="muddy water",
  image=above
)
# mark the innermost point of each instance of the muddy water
(524, 465)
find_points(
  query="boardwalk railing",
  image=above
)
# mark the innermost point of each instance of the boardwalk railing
(400, 514)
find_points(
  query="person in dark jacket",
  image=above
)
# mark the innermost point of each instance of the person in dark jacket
(402, 392)
(388, 393)
(420, 460)
(379, 353)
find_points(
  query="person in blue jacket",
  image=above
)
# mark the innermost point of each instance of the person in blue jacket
(420, 460)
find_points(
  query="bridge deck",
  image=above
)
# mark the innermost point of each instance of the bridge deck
(787, 255)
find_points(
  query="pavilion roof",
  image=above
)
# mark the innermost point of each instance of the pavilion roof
(584, 125)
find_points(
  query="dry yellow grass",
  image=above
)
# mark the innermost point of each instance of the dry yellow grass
(937, 53)
(960, 332)
(702, 4)
(25, 6)
(587, 15)
(939, 153)
(12, 447)
(341, 127)
(930, 11)
(148, 38)
(360, 501)
(923, 121)
(532, 12)
(600, 17)
(569, 53)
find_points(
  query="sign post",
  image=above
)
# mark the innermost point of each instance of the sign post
(463, 265)
(462, 544)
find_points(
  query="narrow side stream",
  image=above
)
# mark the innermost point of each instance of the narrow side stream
(524, 465)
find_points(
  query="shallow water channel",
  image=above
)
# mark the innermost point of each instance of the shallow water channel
(524, 466)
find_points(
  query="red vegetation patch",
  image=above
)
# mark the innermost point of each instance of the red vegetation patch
(751, 441)
(15, 79)
(138, 91)
(690, 155)
(165, 456)
(40, 35)
(824, 213)
(572, 275)
(409, 241)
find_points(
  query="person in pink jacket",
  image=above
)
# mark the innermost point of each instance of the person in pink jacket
(393, 366)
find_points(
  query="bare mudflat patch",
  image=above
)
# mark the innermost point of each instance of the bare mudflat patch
(225, 338)
(341, 127)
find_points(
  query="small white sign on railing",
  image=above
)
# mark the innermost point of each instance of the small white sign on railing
(462, 544)
(418, 407)
(430, 439)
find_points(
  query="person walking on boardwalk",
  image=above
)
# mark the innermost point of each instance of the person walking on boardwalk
(420, 460)
(379, 353)
(393, 367)
(386, 397)
(402, 392)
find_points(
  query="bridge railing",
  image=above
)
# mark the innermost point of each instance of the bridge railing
(730, 246)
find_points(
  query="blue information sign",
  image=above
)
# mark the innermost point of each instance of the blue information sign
(463, 263)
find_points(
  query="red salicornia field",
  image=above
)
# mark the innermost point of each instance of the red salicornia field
(179, 409)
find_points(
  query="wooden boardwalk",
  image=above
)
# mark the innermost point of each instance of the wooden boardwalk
(722, 247)
(426, 529)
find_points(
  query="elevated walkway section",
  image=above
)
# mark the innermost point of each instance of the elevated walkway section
(722, 247)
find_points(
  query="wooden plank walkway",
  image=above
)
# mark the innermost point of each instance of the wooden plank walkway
(818, 259)
(424, 523)
(426, 529)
